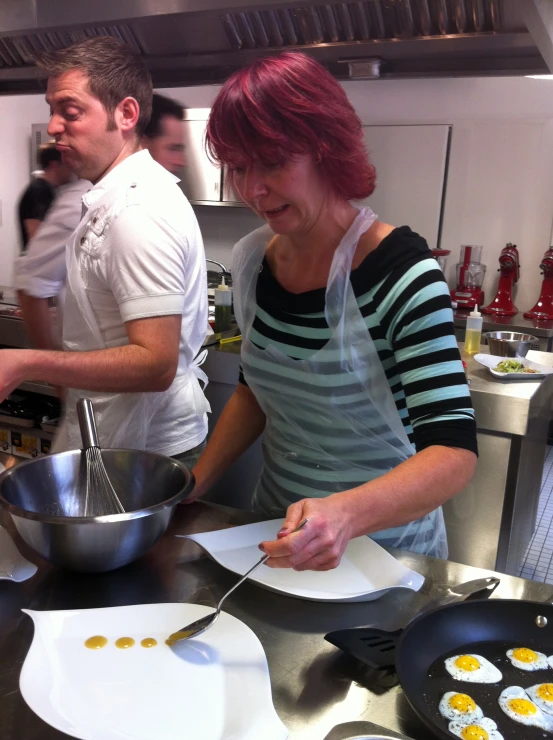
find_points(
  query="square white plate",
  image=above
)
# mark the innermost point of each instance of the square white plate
(216, 687)
(491, 361)
(365, 573)
(13, 566)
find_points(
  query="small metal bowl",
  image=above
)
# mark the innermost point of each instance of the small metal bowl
(44, 495)
(509, 343)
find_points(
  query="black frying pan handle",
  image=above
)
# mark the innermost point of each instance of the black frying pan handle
(375, 648)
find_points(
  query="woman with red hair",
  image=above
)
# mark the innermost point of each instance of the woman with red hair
(350, 367)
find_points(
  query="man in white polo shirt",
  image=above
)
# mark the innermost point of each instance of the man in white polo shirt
(136, 306)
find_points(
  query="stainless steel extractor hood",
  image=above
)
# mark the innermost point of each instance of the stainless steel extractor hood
(187, 42)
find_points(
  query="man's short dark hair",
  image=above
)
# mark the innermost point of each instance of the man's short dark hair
(114, 72)
(48, 154)
(162, 106)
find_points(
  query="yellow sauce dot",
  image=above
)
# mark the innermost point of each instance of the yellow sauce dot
(524, 707)
(124, 642)
(96, 642)
(148, 642)
(467, 663)
(525, 655)
(474, 732)
(176, 636)
(462, 703)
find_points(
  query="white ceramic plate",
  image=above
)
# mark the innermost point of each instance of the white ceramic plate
(13, 566)
(366, 572)
(491, 361)
(216, 687)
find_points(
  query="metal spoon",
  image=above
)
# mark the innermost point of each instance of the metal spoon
(201, 625)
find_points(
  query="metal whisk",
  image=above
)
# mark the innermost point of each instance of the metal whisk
(100, 497)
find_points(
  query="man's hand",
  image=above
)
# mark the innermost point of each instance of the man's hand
(321, 543)
(11, 371)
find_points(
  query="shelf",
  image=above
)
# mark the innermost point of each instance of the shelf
(43, 388)
(224, 203)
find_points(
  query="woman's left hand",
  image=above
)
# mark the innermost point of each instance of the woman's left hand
(320, 544)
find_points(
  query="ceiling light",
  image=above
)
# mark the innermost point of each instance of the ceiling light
(539, 77)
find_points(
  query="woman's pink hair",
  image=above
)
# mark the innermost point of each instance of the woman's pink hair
(290, 104)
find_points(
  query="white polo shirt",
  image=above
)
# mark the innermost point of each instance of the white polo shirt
(140, 254)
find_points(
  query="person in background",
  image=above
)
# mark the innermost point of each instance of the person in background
(164, 135)
(350, 366)
(136, 302)
(40, 193)
(41, 274)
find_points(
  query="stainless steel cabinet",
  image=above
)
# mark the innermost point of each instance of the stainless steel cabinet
(202, 181)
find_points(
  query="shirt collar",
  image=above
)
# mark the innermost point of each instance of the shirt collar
(130, 169)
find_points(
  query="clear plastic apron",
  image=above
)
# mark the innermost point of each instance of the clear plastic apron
(332, 423)
(123, 419)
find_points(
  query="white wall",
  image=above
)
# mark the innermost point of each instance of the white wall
(500, 179)
(17, 113)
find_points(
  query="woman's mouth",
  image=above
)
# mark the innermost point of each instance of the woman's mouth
(276, 211)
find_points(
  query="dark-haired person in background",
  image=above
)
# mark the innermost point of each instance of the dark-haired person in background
(39, 195)
(164, 135)
(136, 304)
(350, 367)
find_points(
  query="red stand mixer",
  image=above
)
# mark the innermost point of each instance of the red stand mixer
(470, 276)
(543, 310)
(509, 269)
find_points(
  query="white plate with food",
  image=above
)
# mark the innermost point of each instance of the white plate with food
(124, 687)
(365, 573)
(513, 368)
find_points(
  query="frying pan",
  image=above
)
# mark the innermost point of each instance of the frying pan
(487, 628)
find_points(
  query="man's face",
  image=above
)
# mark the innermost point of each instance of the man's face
(89, 140)
(168, 147)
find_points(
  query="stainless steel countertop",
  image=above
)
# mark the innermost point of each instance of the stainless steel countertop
(507, 406)
(511, 323)
(315, 686)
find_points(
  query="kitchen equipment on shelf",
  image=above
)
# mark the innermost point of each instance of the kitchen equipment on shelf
(473, 332)
(366, 571)
(441, 255)
(42, 497)
(470, 276)
(99, 496)
(201, 625)
(509, 273)
(543, 310)
(509, 343)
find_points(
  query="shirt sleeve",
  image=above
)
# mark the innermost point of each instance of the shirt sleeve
(145, 265)
(419, 327)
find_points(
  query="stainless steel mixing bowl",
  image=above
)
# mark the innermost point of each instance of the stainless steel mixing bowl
(41, 496)
(509, 343)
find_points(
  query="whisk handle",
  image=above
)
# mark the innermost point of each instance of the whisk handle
(87, 423)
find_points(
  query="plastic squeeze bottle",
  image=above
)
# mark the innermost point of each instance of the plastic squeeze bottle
(223, 306)
(473, 333)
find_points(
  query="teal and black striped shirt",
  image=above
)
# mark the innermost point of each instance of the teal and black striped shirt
(405, 302)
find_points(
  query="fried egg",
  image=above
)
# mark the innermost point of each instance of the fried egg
(484, 729)
(527, 659)
(542, 696)
(515, 703)
(472, 668)
(460, 707)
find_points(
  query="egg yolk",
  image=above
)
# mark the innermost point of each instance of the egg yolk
(523, 707)
(545, 691)
(525, 655)
(462, 703)
(474, 732)
(467, 663)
